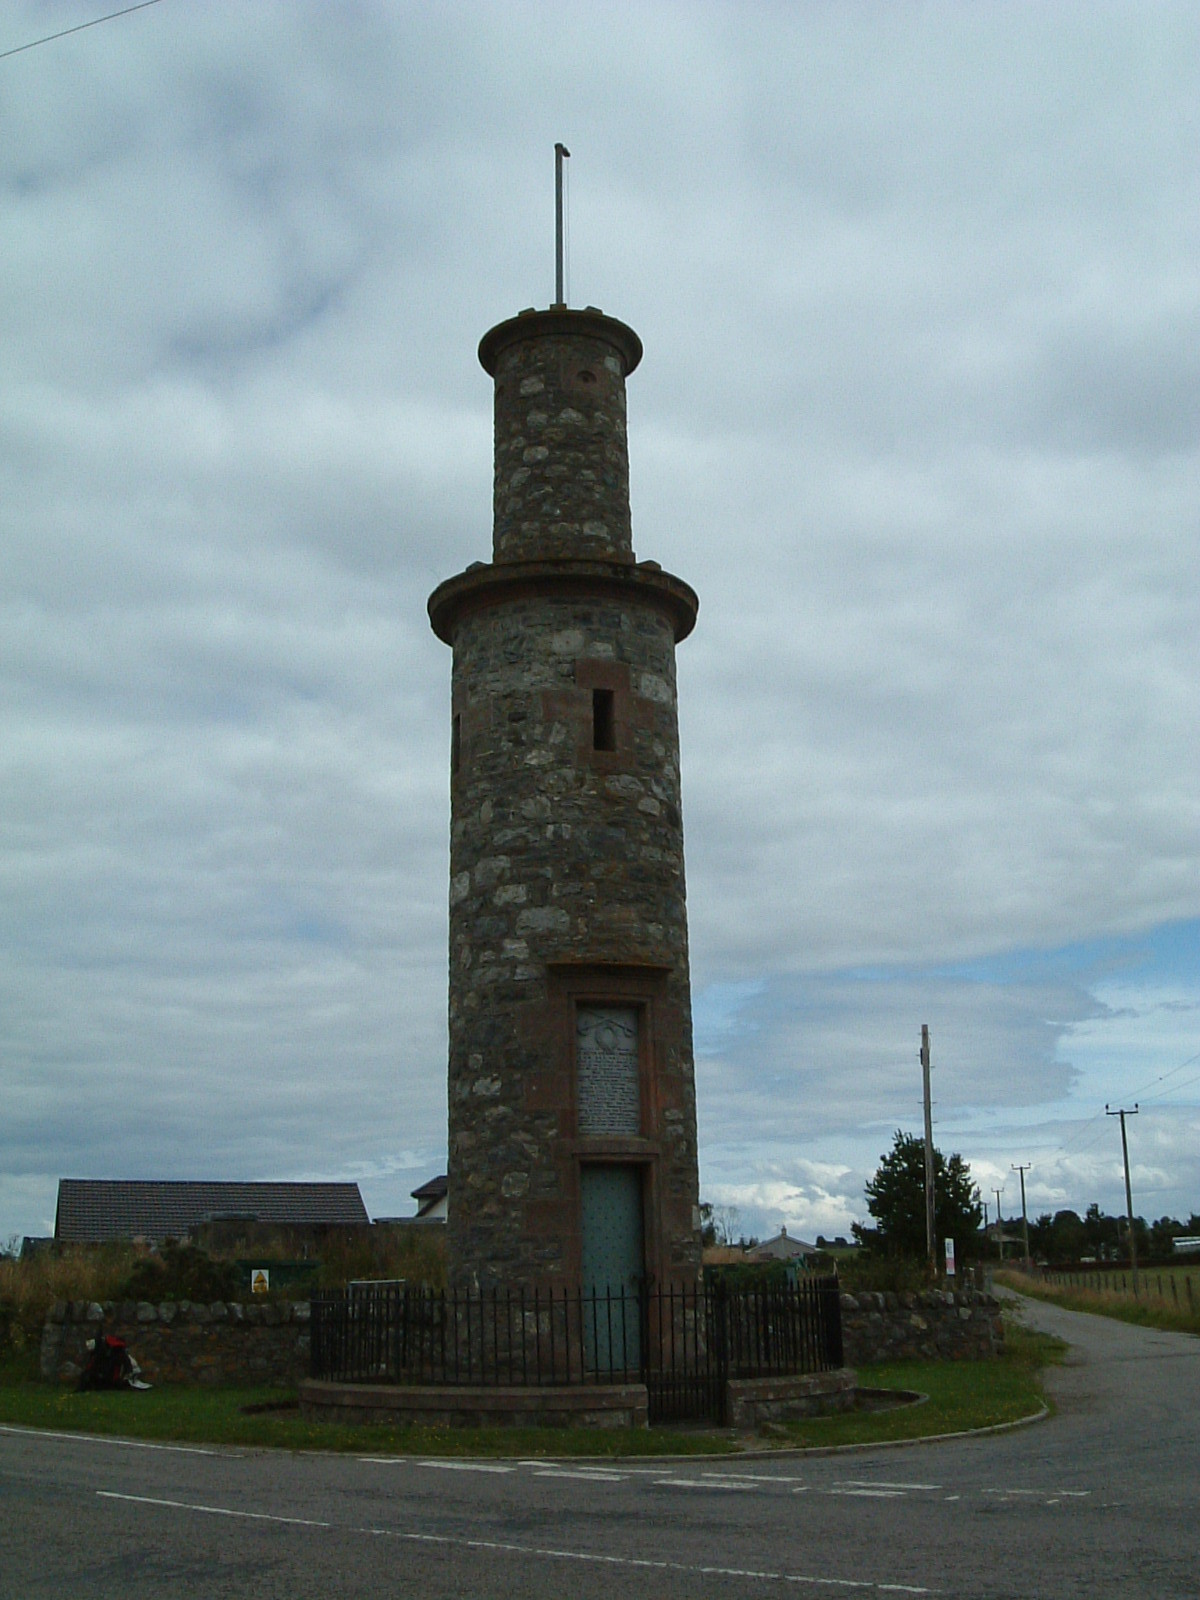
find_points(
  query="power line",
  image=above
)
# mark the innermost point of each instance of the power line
(78, 28)
(1162, 1078)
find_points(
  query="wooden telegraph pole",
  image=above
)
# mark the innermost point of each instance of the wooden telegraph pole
(1024, 1215)
(930, 1238)
(1122, 1113)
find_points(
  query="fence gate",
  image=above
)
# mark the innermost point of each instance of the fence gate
(687, 1356)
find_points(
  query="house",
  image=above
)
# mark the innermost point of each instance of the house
(783, 1248)
(94, 1211)
(432, 1200)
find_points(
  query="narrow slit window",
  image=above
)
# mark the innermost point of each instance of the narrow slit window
(604, 720)
(455, 743)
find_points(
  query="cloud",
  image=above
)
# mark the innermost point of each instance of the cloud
(917, 417)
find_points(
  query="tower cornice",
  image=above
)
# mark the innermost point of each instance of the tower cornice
(590, 323)
(483, 585)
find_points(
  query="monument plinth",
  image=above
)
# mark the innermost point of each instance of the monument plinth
(572, 1120)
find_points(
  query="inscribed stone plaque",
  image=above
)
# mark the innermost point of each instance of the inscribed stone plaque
(606, 1054)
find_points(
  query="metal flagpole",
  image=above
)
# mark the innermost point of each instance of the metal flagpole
(561, 154)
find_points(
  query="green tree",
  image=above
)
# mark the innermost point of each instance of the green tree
(1068, 1237)
(1162, 1235)
(896, 1199)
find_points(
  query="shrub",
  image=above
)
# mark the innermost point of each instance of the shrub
(883, 1274)
(181, 1272)
(29, 1287)
(417, 1254)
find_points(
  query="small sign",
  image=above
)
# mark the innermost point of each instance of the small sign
(260, 1280)
(949, 1258)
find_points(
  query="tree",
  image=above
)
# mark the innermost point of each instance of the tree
(896, 1199)
(719, 1224)
(1068, 1238)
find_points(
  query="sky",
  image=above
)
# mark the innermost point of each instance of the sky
(919, 419)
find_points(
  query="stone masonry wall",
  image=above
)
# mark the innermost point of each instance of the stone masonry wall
(265, 1343)
(560, 854)
(934, 1325)
(561, 451)
(566, 853)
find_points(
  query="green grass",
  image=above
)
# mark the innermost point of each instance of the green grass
(961, 1395)
(1148, 1311)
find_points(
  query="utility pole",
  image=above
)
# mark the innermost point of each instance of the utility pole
(1123, 1113)
(999, 1222)
(930, 1240)
(1024, 1217)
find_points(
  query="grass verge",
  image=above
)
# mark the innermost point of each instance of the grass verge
(1148, 1312)
(961, 1395)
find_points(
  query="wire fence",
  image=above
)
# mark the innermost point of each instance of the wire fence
(1170, 1285)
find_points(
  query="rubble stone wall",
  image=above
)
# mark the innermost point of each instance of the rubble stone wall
(935, 1325)
(181, 1342)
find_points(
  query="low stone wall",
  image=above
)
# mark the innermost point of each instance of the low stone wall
(750, 1402)
(263, 1342)
(268, 1342)
(589, 1405)
(961, 1325)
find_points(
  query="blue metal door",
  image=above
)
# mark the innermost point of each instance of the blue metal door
(614, 1264)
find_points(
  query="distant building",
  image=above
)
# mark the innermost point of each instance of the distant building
(783, 1248)
(96, 1211)
(432, 1200)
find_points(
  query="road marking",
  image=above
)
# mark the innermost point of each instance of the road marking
(210, 1511)
(703, 1483)
(124, 1444)
(468, 1466)
(882, 1483)
(867, 1494)
(753, 1477)
(545, 1552)
(592, 1475)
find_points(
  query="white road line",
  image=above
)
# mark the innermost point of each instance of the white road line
(210, 1511)
(703, 1483)
(867, 1494)
(587, 1476)
(753, 1477)
(124, 1444)
(584, 1557)
(468, 1466)
(882, 1483)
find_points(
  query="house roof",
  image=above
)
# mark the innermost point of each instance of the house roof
(434, 1189)
(782, 1248)
(91, 1210)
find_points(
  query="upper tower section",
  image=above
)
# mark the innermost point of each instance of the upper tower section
(561, 448)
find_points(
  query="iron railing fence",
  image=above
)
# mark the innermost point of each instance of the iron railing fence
(682, 1341)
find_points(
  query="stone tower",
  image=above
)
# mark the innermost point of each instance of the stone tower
(571, 1089)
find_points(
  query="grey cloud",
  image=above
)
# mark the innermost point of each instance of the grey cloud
(917, 418)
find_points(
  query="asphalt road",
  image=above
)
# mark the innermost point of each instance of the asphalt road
(1103, 1500)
